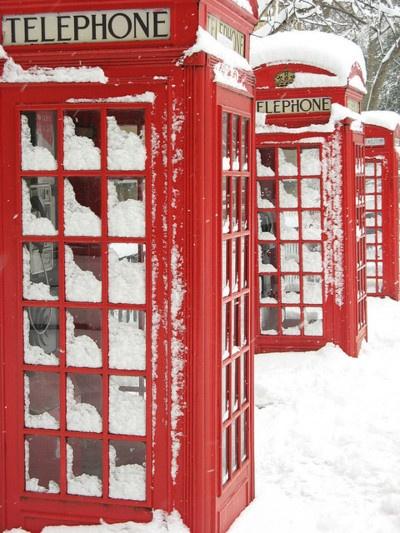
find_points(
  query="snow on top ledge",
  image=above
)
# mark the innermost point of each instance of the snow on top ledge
(146, 97)
(322, 50)
(205, 42)
(245, 4)
(385, 119)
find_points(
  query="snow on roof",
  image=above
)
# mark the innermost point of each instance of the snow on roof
(245, 4)
(386, 119)
(205, 42)
(323, 50)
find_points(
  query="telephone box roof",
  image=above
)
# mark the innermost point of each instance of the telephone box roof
(385, 119)
(326, 51)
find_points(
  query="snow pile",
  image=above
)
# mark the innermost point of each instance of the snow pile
(78, 219)
(127, 280)
(80, 285)
(32, 290)
(35, 355)
(82, 351)
(205, 42)
(127, 482)
(127, 345)
(80, 153)
(32, 225)
(127, 408)
(328, 437)
(81, 416)
(84, 484)
(385, 119)
(34, 157)
(161, 523)
(126, 218)
(126, 150)
(322, 50)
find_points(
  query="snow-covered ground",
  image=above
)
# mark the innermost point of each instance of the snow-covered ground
(328, 437)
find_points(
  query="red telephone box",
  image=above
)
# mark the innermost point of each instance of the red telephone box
(382, 156)
(310, 254)
(126, 362)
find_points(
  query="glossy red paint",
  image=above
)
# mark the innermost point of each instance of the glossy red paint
(183, 240)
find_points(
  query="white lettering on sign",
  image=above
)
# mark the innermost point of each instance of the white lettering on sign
(87, 27)
(227, 35)
(374, 141)
(294, 105)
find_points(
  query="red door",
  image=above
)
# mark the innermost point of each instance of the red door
(78, 286)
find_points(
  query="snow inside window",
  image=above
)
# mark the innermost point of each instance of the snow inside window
(127, 339)
(288, 194)
(42, 464)
(80, 136)
(40, 271)
(79, 217)
(310, 192)
(125, 140)
(39, 206)
(269, 321)
(291, 320)
(290, 258)
(126, 208)
(83, 332)
(262, 169)
(84, 403)
(267, 258)
(312, 290)
(266, 226)
(38, 137)
(41, 336)
(266, 194)
(369, 169)
(310, 163)
(312, 257)
(287, 161)
(127, 274)
(268, 289)
(127, 470)
(311, 225)
(289, 221)
(127, 403)
(41, 394)
(81, 284)
(290, 289)
(84, 467)
(313, 323)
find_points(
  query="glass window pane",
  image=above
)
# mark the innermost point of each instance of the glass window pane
(269, 320)
(291, 320)
(235, 383)
(225, 268)
(235, 257)
(311, 225)
(245, 144)
(82, 140)
(289, 221)
(40, 269)
(226, 149)
(370, 201)
(127, 397)
(267, 258)
(266, 226)
(266, 194)
(224, 456)
(234, 445)
(290, 258)
(312, 257)
(126, 148)
(226, 391)
(313, 321)
(265, 162)
(42, 464)
(370, 186)
(288, 193)
(312, 289)
(235, 325)
(127, 339)
(371, 285)
(226, 330)
(244, 320)
(244, 373)
(83, 272)
(244, 262)
(310, 162)
(369, 169)
(310, 192)
(244, 203)
(39, 140)
(42, 402)
(226, 202)
(290, 289)
(235, 182)
(41, 336)
(39, 206)
(127, 273)
(235, 142)
(244, 433)
(82, 207)
(268, 289)
(127, 470)
(83, 332)
(84, 467)
(288, 162)
(126, 207)
(84, 403)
